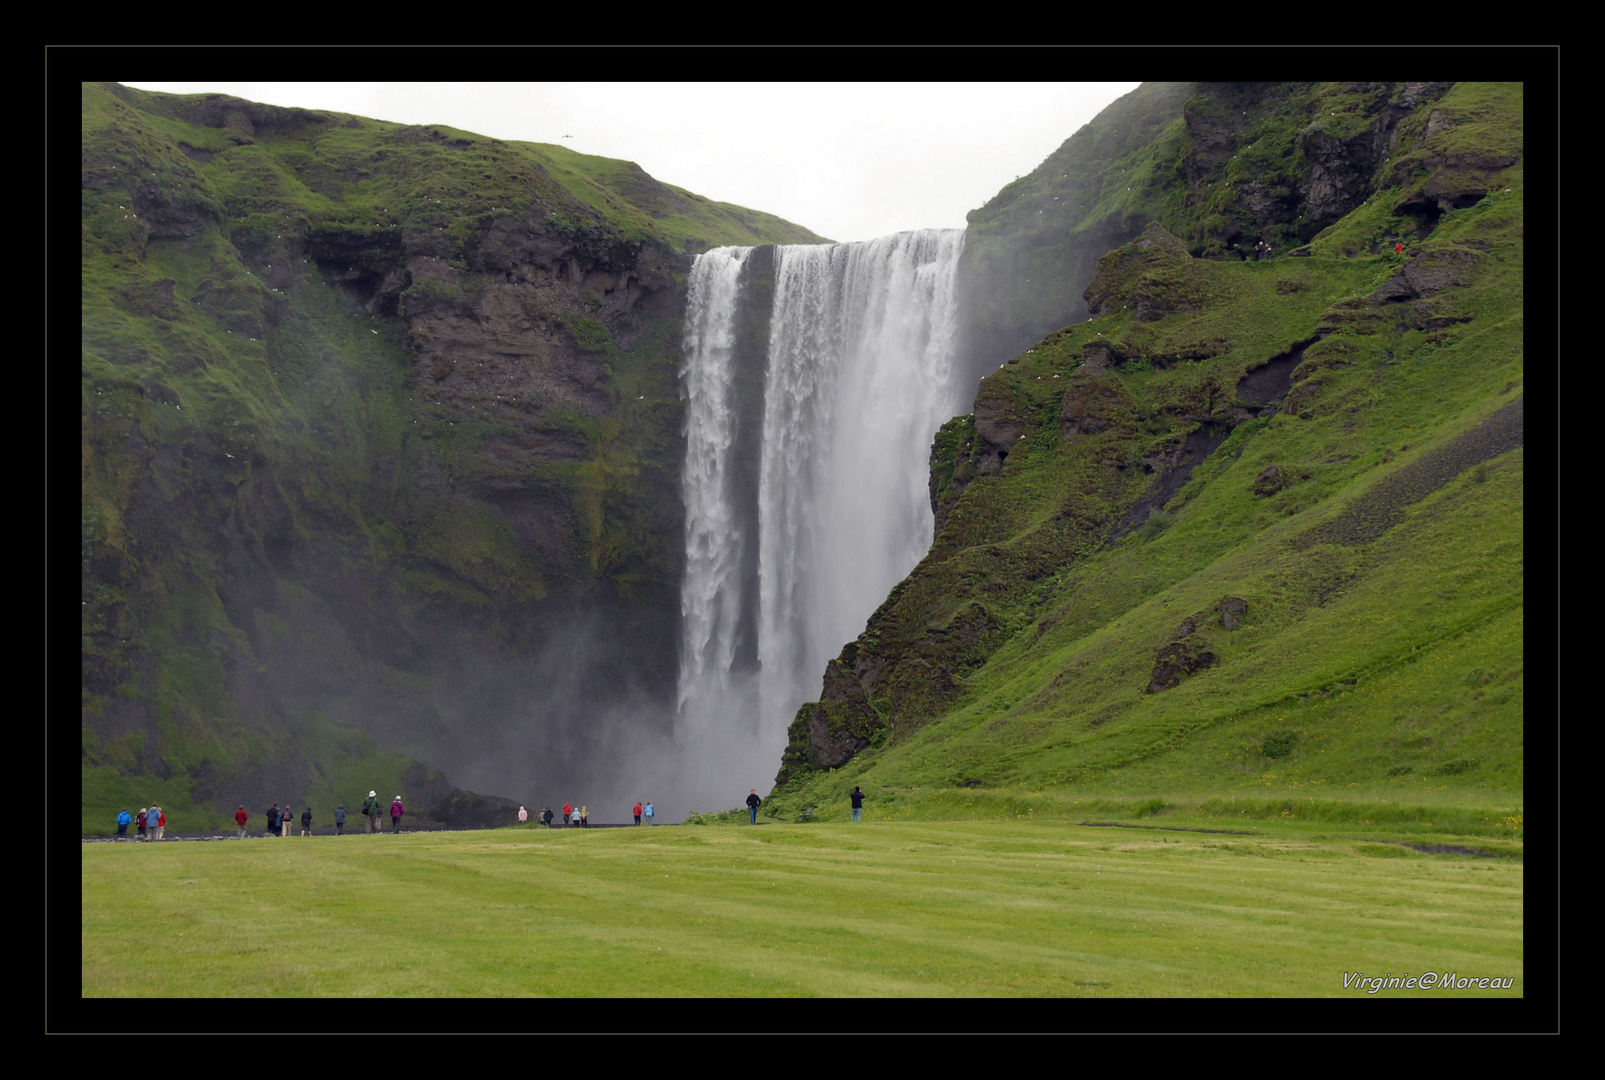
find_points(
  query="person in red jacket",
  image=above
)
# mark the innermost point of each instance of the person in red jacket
(240, 818)
(638, 813)
(568, 811)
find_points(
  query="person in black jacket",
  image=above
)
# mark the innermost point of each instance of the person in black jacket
(273, 820)
(857, 795)
(753, 802)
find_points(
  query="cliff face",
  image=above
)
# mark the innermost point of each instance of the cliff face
(1147, 507)
(381, 448)
(1222, 166)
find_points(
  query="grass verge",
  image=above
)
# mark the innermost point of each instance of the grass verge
(972, 909)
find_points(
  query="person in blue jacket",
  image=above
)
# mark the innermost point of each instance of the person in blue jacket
(123, 821)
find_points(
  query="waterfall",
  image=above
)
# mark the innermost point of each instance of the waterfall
(806, 475)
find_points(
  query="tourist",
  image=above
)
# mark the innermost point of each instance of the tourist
(139, 822)
(371, 810)
(567, 810)
(637, 813)
(161, 821)
(648, 812)
(124, 819)
(240, 818)
(574, 818)
(523, 815)
(585, 818)
(546, 816)
(340, 820)
(858, 803)
(753, 802)
(306, 822)
(273, 820)
(396, 810)
(289, 817)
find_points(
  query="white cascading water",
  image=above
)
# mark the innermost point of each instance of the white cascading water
(858, 377)
(709, 595)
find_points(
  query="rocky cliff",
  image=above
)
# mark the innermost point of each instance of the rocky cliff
(1192, 439)
(1222, 166)
(381, 450)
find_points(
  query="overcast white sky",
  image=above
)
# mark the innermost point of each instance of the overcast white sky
(851, 161)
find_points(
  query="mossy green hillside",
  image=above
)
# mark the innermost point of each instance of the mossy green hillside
(347, 383)
(1224, 166)
(1362, 536)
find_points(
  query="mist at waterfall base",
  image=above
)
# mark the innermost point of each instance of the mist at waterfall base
(814, 379)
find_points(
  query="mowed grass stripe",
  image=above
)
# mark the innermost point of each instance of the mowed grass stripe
(906, 909)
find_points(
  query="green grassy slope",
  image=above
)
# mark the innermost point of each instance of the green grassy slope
(346, 384)
(1067, 635)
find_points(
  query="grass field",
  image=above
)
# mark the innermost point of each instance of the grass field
(1010, 909)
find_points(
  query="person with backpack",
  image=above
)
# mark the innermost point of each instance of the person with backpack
(370, 810)
(396, 810)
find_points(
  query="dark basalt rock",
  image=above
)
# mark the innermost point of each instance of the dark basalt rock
(1428, 275)
(1191, 652)
(1176, 661)
(1269, 481)
(1232, 609)
(1094, 401)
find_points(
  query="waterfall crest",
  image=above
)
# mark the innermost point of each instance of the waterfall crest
(805, 484)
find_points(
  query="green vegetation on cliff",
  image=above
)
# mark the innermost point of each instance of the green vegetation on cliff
(1224, 166)
(1248, 542)
(372, 415)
